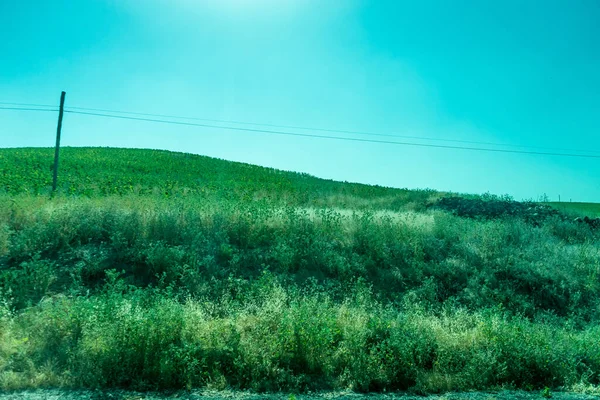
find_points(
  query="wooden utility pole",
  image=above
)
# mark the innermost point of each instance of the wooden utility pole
(57, 148)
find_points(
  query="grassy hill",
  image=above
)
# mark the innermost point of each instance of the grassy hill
(589, 209)
(93, 172)
(158, 270)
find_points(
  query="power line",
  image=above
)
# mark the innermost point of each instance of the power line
(326, 130)
(299, 128)
(25, 109)
(331, 137)
(27, 104)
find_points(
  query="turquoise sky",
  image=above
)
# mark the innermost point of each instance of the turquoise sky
(516, 72)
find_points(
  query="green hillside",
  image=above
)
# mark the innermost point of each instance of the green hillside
(157, 270)
(589, 209)
(95, 172)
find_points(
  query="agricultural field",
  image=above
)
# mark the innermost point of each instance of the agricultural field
(151, 270)
(590, 209)
(101, 172)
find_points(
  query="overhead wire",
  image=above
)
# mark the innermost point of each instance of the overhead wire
(26, 109)
(352, 132)
(73, 110)
(28, 104)
(277, 132)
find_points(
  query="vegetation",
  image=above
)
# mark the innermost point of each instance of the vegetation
(93, 172)
(589, 209)
(210, 274)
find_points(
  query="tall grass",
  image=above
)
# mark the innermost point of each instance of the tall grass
(284, 338)
(204, 273)
(146, 293)
(539, 272)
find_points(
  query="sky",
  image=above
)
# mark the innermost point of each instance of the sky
(515, 73)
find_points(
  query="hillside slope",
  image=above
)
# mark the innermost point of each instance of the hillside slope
(110, 171)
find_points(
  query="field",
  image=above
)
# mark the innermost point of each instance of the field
(152, 270)
(98, 172)
(592, 210)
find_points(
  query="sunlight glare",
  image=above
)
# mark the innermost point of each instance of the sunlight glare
(244, 7)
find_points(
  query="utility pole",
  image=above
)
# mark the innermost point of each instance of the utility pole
(57, 148)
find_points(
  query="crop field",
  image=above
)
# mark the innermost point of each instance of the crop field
(158, 271)
(590, 209)
(98, 172)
